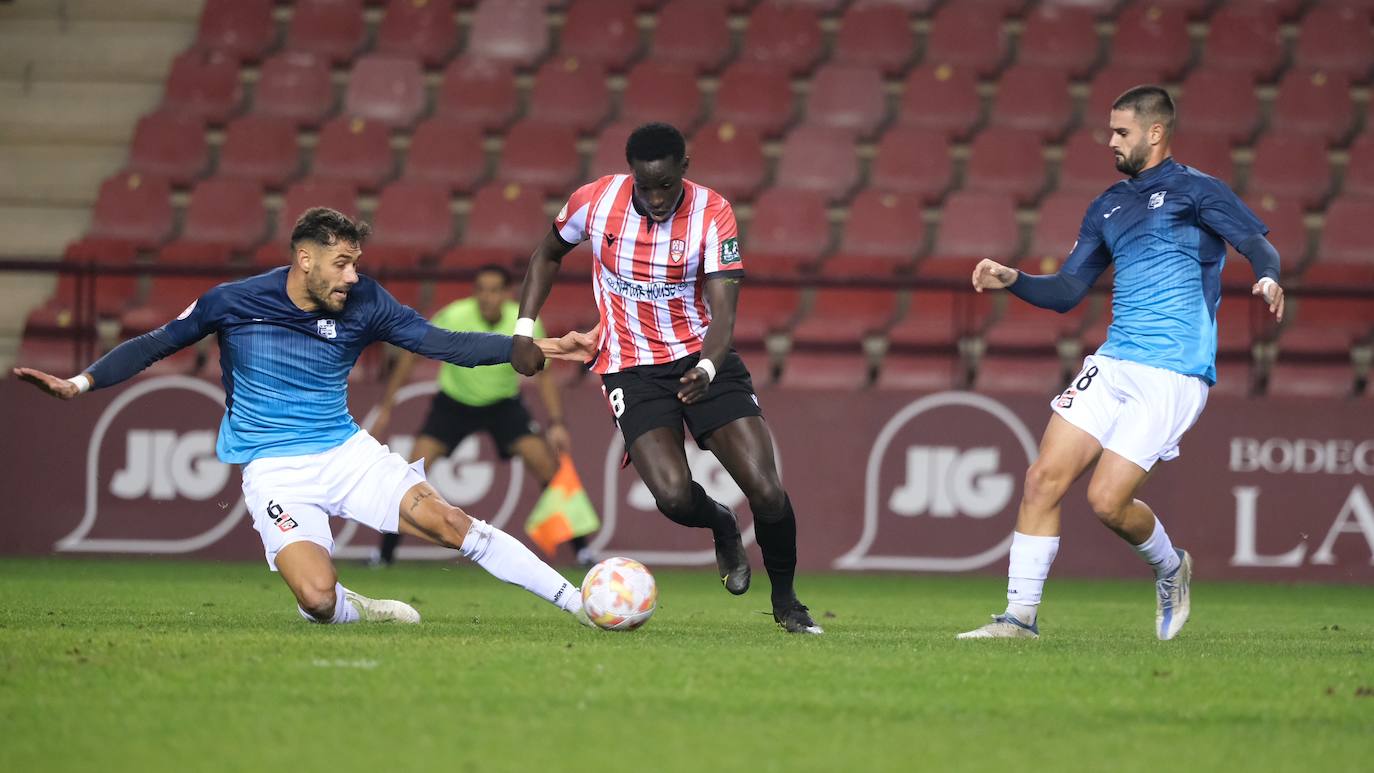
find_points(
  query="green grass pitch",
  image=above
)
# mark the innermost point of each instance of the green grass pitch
(163, 666)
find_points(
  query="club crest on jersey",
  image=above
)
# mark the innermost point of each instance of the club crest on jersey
(676, 249)
(729, 251)
(1157, 200)
(325, 327)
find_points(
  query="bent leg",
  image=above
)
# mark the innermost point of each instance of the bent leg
(661, 462)
(430, 449)
(309, 572)
(1111, 494)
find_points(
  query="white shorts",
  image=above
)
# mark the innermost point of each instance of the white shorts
(291, 498)
(1135, 411)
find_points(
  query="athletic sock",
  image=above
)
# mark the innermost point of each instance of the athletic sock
(344, 612)
(778, 541)
(1158, 551)
(706, 513)
(510, 561)
(1027, 568)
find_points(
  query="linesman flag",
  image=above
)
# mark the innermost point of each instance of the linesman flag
(563, 512)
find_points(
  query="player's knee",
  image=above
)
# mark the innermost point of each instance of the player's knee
(318, 601)
(675, 501)
(1044, 484)
(456, 525)
(768, 501)
(1109, 506)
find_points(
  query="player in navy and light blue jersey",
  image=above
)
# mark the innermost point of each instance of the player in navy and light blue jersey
(288, 339)
(1165, 231)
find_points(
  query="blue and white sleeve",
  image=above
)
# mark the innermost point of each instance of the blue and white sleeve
(1062, 290)
(403, 326)
(134, 355)
(1221, 211)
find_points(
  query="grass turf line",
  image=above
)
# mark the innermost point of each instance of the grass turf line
(165, 665)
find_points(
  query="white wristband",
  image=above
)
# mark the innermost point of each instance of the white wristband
(524, 327)
(82, 383)
(1266, 289)
(709, 367)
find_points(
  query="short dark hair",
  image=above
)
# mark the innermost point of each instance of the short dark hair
(1151, 104)
(654, 141)
(494, 268)
(326, 226)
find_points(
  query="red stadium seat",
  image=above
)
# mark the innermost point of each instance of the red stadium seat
(765, 311)
(1289, 165)
(541, 156)
(1033, 99)
(333, 30)
(609, 156)
(884, 233)
(203, 85)
(1017, 324)
(725, 157)
(1042, 375)
(1287, 232)
(1056, 228)
(1209, 153)
(170, 145)
(1311, 380)
(966, 35)
(511, 31)
(480, 92)
(413, 222)
(877, 36)
(241, 29)
(262, 149)
(356, 151)
(1088, 167)
(785, 35)
(1338, 38)
(918, 373)
(1063, 37)
(1108, 84)
(133, 208)
(661, 92)
(1219, 102)
(912, 160)
(1344, 253)
(570, 92)
(1006, 160)
(973, 226)
(790, 229)
(756, 96)
(933, 319)
(167, 297)
(507, 216)
(1359, 172)
(448, 153)
(1152, 37)
(424, 29)
(602, 32)
(1314, 102)
(302, 195)
(820, 159)
(839, 316)
(940, 97)
(225, 216)
(294, 86)
(845, 370)
(568, 307)
(386, 88)
(847, 96)
(1244, 39)
(693, 33)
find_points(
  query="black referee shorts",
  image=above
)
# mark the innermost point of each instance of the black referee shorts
(450, 422)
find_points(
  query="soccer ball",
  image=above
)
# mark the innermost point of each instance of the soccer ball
(619, 594)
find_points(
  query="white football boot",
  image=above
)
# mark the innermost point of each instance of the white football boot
(382, 610)
(1003, 627)
(1174, 599)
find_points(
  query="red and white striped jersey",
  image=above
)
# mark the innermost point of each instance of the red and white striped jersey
(648, 276)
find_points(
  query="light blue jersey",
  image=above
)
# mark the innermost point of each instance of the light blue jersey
(1165, 231)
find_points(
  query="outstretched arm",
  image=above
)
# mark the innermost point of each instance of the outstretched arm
(722, 295)
(539, 277)
(1264, 259)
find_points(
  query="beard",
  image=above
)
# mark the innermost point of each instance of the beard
(324, 295)
(1132, 163)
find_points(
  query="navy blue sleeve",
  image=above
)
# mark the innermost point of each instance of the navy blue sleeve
(403, 326)
(1264, 259)
(1221, 211)
(129, 358)
(1062, 290)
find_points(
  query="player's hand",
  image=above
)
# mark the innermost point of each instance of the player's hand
(694, 385)
(380, 423)
(525, 356)
(559, 438)
(575, 346)
(991, 275)
(1272, 294)
(57, 387)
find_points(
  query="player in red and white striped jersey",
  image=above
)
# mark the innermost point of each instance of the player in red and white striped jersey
(666, 276)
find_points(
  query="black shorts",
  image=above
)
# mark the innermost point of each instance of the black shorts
(645, 397)
(450, 422)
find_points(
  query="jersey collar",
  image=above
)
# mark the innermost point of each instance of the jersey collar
(1149, 176)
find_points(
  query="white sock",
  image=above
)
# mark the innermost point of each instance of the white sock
(1158, 551)
(1027, 569)
(343, 611)
(509, 561)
